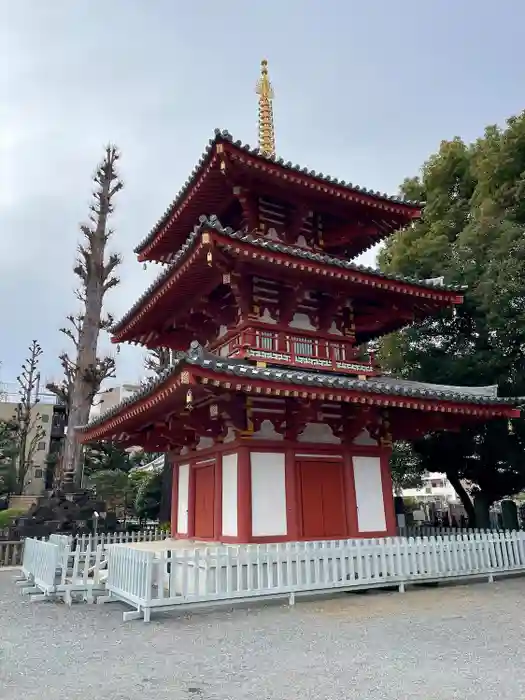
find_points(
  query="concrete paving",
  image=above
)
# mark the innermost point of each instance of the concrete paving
(460, 642)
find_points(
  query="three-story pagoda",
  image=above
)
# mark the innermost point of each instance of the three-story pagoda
(278, 424)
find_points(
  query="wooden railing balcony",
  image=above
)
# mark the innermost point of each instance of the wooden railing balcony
(300, 350)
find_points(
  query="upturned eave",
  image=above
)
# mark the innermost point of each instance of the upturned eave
(291, 259)
(199, 367)
(280, 171)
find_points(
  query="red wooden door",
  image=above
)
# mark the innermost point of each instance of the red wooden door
(204, 501)
(322, 499)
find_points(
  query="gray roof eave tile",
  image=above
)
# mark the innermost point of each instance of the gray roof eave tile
(198, 356)
(303, 254)
(221, 135)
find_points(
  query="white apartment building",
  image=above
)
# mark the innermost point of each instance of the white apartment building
(109, 398)
(436, 488)
(43, 418)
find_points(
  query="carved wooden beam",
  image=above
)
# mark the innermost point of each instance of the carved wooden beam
(348, 326)
(346, 235)
(173, 338)
(242, 290)
(329, 305)
(236, 412)
(289, 300)
(356, 422)
(297, 215)
(297, 415)
(249, 205)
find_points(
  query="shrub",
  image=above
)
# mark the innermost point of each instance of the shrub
(7, 517)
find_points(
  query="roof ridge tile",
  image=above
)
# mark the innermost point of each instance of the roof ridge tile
(213, 222)
(198, 356)
(226, 136)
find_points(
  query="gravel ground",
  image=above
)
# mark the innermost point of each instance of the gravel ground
(460, 642)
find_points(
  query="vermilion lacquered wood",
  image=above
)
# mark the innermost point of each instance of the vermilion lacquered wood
(204, 501)
(244, 495)
(322, 499)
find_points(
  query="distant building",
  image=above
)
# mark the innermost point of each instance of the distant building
(109, 398)
(154, 466)
(52, 419)
(436, 488)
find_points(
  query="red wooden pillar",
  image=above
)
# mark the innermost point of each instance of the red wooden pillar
(217, 505)
(244, 495)
(350, 497)
(292, 510)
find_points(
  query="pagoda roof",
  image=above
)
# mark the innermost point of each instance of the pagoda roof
(312, 179)
(332, 264)
(383, 390)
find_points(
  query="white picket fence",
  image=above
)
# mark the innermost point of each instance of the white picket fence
(432, 531)
(90, 542)
(223, 575)
(40, 565)
(52, 570)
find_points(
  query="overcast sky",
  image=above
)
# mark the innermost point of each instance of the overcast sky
(365, 91)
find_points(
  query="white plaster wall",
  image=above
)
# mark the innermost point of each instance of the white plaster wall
(334, 329)
(272, 235)
(302, 321)
(205, 442)
(267, 317)
(369, 494)
(318, 433)
(230, 435)
(183, 496)
(364, 438)
(229, 495)
(267, 431)
(268, 494)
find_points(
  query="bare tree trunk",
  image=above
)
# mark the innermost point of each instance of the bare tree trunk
(29, 429)
(87, 371)
(465, 499)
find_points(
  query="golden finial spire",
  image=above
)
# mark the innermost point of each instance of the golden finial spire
(265, 91)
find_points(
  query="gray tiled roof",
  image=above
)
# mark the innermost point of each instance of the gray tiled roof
(198, 356)
(301, 253)
(226, 136)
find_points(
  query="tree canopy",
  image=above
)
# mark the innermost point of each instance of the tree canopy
(112, 472)
(471, 234)
(20, 435)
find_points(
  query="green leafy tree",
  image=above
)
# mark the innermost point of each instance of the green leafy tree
(471, 234)
(20, 435)
(106, 456)
(8, 456)
(111, 486)
(135, 481)
(407, 467)
(147, 504)
(115, 475)
(156, 362)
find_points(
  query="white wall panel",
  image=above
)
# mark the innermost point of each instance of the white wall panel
(268, 494)
(229, 495)
(369, 494)
(183, 498)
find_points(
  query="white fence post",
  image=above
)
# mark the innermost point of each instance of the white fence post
(177, 578)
